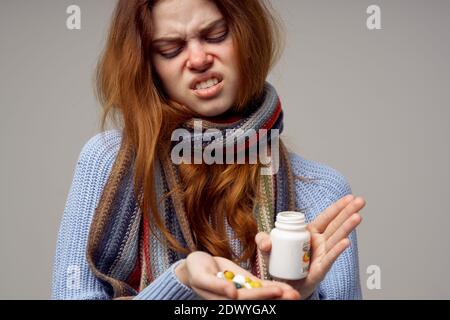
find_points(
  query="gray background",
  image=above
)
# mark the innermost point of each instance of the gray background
(372, 104)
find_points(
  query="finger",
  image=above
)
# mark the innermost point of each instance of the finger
(289, 293)
(262, 293)
(264, 245)
(263, 241)
(214, 285)
(203, 274)
(344, 230)
(269, 292)
(354, 206)
(320, 223)
(332, 255)
(207, 295)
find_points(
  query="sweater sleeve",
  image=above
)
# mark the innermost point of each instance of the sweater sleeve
(342, 281)
(72, 277)
(167, 287)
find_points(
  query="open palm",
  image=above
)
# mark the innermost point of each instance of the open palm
(329, 238)
(199, 271)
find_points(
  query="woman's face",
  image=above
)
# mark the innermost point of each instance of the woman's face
(194, 55)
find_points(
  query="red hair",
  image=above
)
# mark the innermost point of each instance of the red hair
(129, 92)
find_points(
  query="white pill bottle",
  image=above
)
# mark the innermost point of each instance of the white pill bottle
(291, 247)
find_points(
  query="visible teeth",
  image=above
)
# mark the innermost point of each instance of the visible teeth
(207, 84)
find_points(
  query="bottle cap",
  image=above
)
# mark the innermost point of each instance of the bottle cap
(292, 220)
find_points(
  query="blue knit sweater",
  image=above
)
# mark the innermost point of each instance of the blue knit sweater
(72, 278)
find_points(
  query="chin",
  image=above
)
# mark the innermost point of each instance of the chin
(211, 111)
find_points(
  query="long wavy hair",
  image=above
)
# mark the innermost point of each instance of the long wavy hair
(131, 95)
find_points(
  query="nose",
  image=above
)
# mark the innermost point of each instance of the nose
(199, 59)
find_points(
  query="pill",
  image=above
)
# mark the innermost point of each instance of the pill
(239, 279)
(228, 275)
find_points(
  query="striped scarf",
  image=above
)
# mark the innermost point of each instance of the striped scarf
(121, 250)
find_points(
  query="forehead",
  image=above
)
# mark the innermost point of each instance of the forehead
(181, 17)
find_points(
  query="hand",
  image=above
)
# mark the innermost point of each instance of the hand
(199, 272)
(329, 232)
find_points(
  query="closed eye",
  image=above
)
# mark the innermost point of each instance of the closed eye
(218, 38)
(171, 54)
(211, 39)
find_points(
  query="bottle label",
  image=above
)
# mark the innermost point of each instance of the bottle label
(306, 257)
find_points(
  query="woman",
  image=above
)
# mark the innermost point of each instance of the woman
(137, 225)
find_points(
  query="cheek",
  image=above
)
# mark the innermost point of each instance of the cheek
(227, 50)
(230, 56)
(167, 71)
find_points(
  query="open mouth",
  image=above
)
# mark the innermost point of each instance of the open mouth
(208, 84)
(209, 89)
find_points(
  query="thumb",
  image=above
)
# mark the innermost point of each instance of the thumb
(263, 242)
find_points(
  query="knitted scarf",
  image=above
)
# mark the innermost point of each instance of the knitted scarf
(122, 251)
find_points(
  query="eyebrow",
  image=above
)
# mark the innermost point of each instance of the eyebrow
(210, 26)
